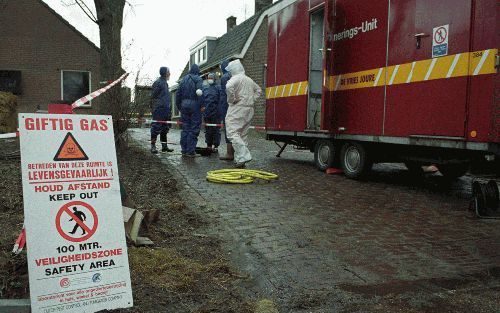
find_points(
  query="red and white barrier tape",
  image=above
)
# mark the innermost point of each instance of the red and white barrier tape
(14, 135)
(96, 93)
(9, 135)
(20, 242)
(258, 127)
(204, 124)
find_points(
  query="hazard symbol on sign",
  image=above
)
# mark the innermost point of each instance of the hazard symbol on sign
(76, 221)
(70, 150)
(440, 35)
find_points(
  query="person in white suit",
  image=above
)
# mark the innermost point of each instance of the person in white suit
(242, 92)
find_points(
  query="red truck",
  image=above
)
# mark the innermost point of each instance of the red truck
(360, 82)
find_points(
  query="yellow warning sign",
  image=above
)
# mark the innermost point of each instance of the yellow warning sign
(70, 150)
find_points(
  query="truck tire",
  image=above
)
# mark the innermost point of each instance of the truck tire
(355, 160)
(453, 171)
(324, 154)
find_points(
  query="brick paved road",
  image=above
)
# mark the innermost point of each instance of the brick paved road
(317, 243)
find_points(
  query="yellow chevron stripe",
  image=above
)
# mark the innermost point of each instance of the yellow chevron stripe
(483, 62)
(403, 74)
(288, 90)
(474, 63)
(459, 65)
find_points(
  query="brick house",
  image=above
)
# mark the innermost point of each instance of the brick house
(142, 101)
(247, 42)
(43, 58)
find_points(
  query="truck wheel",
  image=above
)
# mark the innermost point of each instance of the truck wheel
(355, 160)
(453, 171)
(324, 154)
(415, 168)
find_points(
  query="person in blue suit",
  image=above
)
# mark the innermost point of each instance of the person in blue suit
(226, 76)
(212, 113)
(160, 109)
(189, 101)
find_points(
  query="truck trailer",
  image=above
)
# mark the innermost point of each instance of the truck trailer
(360, 82)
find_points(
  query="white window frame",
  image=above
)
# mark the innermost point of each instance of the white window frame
(89, 105)
(197, 53)
(175, 112)
(205, 57)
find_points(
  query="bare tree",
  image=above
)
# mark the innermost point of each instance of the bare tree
(109, 17)
(110, 21)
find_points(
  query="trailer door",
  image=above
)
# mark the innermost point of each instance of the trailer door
(328, 60)
(445, 101)
(428, 65)
(316, 75)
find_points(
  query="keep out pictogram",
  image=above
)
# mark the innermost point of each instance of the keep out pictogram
(76, 221)
(440, 35)
(70, 150)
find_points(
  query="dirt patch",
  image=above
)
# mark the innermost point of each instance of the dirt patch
(402, 287)
(474, 293)
(13, 269)
(186, 270)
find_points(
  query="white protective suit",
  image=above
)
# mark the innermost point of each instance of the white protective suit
(242, 92)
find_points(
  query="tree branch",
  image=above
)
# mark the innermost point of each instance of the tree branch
(86, 10)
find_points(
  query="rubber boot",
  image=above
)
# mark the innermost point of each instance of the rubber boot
(153, 149)
(240, 165)
(229, 153)
(165, 148)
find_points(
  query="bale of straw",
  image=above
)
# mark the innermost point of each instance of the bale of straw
(8, 110)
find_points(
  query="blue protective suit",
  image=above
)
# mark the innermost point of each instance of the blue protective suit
(211, 99)
(190, 104)
(226, 76)
(160, 106)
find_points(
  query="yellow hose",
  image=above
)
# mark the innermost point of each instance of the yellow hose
(238, 176)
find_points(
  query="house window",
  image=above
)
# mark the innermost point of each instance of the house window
(192, 59)
(203, 54)
(10, 81)
(74, 85)
(199, 56)
(175, 110)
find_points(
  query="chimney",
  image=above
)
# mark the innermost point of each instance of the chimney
(261, 4)
(231, 23)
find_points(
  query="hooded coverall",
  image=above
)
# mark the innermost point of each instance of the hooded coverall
(242, 92)
(160, 107)
(190, 104)
(211, 95)
(226, 76)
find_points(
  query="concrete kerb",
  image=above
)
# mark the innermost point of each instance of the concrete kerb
(15, 305)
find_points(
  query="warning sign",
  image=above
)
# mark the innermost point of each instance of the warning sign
(70, 150)
(76, 221)
(440, 41)
(77, 256)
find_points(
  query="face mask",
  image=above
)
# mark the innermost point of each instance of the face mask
(210, 81)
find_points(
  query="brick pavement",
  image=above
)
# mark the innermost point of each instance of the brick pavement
(309, 238)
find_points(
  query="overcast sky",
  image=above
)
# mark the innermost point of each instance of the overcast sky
(160, 32)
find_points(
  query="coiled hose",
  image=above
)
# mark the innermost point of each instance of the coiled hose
(239, 176)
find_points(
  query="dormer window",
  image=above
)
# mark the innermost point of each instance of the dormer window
(192, 59)
(199, 55)
(199, 52)
(202, 54)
